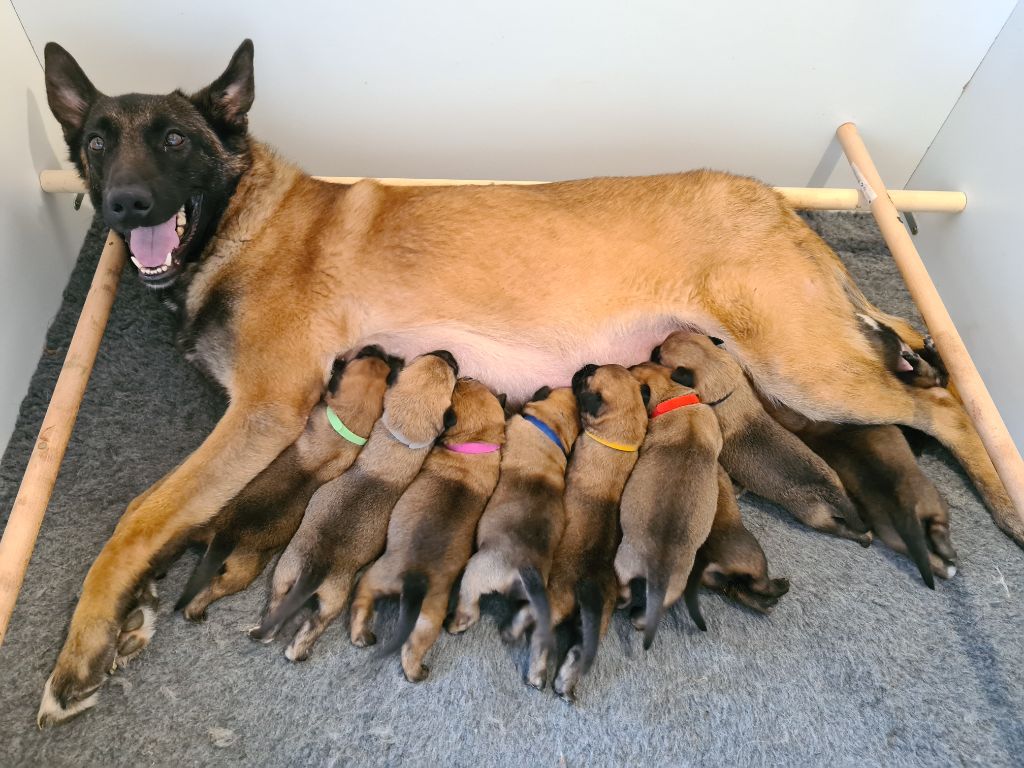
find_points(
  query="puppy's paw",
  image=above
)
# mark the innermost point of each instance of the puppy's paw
(416, 673)
(460, 622)
(364, 639)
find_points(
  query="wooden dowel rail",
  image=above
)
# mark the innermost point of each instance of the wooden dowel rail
(976, 398)
(807, 198)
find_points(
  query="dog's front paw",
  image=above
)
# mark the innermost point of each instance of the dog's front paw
(93, 650)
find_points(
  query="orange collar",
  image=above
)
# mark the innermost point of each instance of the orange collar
(673, 403)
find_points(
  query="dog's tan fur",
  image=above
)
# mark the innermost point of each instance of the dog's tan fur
(668, 505)
(261, 520)
(345, 524)
(757, 452)
(523, 523)
(732, 561)
(304, 269)
(430, 536)
(582, 586)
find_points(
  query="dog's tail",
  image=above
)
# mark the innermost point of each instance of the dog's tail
(414, 589)
(302, 590)
(591, 602)
(533, 585)
(911, 531)
(209, 565)
(654, 608)
(691, 595)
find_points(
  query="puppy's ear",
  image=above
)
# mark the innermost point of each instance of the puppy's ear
(396, 364)
(336, 373)
(656, 355)
(227, 100)
(450, 418)
(645, 393)
(541, 394)
(684, 376)
(68, 92)
(502, 400)
(590, 402)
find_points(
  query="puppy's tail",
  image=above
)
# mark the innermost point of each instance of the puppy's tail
(209, 564)
(414, 589)
(912, 532)
(302, 590)
(591, 602)
(533, 585)
(691, 595)
(653, 610)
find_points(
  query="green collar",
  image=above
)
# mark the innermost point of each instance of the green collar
(342, 430)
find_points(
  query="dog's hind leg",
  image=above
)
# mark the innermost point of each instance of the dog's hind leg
(239, 571)
(332, 596)
(424, 635)
(487, 572)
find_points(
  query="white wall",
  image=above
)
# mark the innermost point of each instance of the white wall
(39, 234)
(977, 258)
(555, 88)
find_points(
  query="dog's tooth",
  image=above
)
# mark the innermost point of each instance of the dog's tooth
(167, 261)
(137, 264)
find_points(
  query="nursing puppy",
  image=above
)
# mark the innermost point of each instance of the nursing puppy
(430, 536)
(757, 452)
(668, 505)
(260, 520)
(882, 476)
(345, 524)
(582, 587)
(922, 369)
(523, 522)
(732, 561)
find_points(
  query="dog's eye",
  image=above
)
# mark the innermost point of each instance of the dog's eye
(174, 139)
(96, 144)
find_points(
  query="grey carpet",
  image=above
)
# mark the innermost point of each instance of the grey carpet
(859, 665)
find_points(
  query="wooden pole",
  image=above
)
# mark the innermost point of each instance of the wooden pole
(808, 198)
(978, 402)
(19, 536)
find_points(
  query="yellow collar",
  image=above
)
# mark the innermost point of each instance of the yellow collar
(617, 446)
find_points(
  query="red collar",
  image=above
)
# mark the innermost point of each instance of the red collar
(673, 403)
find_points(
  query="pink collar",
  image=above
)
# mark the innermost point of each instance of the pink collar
(472, 447)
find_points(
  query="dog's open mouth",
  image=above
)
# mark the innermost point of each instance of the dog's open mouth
(160, 251)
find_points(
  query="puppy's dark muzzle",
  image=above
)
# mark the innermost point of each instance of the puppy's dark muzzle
(448, 357)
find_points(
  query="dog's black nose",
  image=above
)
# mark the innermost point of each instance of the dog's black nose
(448, 357)
(127, 206)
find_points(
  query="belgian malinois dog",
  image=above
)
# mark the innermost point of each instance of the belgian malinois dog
(274, 274)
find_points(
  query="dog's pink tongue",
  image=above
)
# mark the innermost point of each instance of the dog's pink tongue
(150, 245)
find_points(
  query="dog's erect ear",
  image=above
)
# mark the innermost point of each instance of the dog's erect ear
(227, 100)
(336, 371)
(590, 402)
(645, 393)
(450, 418)
(684, 376)
(541, 394)
(68, 90)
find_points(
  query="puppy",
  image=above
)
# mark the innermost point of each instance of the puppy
(345, 524)
(882, 476)
(430, 536)
(523, 522)
(732, 561)
(757, 452)
(261, 519)
(668, 505)
(582, 586)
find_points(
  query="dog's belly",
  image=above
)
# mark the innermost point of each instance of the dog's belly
(520, 366)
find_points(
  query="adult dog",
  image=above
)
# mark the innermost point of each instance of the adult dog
(274, 273)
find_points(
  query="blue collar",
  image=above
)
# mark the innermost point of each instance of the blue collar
(548, 431)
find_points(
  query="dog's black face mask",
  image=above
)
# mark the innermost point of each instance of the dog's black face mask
(160, 168)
